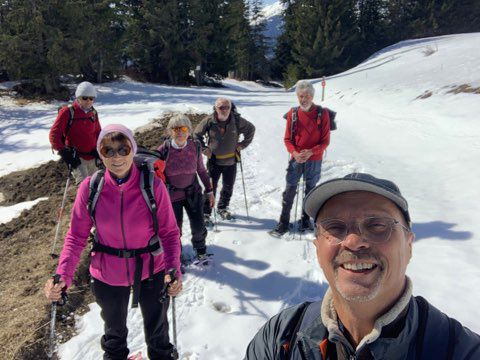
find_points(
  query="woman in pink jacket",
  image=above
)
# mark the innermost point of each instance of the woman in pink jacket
(124, 223)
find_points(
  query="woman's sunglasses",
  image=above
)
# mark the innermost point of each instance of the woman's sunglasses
(85, 98)
(109, 152)
(180, 128)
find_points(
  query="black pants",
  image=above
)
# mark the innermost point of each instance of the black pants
(195, 215)
(113, 301)
(228, 173)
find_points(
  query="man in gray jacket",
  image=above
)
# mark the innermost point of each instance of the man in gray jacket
(223, 129)
(364, 244)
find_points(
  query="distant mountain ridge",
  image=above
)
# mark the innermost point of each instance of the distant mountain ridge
(274, 23)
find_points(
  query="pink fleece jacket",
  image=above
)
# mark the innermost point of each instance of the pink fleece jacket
(123, 221)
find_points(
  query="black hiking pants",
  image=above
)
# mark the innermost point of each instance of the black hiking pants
(195, 216)
(228, 173)
(113, 301)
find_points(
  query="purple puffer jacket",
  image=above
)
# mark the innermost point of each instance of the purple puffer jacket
(123, 221)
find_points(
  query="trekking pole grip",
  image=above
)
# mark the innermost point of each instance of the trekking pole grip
(56, 279)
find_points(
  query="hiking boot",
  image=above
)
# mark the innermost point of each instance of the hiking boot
(305, 225)
(279, 230)
(225, 214)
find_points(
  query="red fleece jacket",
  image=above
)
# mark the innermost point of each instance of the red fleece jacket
(308, 135)
(82, 135)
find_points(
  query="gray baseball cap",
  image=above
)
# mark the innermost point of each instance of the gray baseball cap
(354, 182)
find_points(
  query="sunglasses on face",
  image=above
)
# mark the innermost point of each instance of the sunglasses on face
(85, 98)
(109, 152)
(223, 107)
(372, 229)
(180, 128)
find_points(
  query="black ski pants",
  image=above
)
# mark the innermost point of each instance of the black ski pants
(194, 211)
(113, 301)
(228, 173)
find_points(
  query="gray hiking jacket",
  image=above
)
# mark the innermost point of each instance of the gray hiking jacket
(441, 336)
(223, 146)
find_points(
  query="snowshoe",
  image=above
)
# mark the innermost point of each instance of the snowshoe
(280, 230)
(202, 260)
(304, 225)
(137, 356)
(208, 222)
(225, 214)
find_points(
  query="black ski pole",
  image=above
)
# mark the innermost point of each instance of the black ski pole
(60, 214)
(303, 197)
(53, 315)
(215, 219)
(174, 316)
(243, 183)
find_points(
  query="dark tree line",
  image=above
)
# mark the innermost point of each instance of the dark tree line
(322, 37)
(185, 41)
(158, 40)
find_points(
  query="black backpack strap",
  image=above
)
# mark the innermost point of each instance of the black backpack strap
(146, 185)
(440, 342)
(71, 112)
(305, 316)
(95, 187)
(293, 124)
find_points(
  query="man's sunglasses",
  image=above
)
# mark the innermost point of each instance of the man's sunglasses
(223, 107)
(109, 152)
(85, 98)
(180, 128)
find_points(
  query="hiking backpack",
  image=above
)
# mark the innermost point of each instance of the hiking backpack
(157, 160)
(293, 126)
(154, 246)
(438, 346)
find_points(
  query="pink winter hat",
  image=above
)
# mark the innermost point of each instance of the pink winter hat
(117, 128)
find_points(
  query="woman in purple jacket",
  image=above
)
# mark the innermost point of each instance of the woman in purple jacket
(183, 162)
(124, 223)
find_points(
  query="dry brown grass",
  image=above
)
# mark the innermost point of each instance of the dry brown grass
(464, 88)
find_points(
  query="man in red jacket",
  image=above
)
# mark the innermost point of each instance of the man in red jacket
(307, 135)
(75, 131)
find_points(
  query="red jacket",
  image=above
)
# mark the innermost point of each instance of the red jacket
(308, 135)
(82, 135)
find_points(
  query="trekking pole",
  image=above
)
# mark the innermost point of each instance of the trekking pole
(174, 317)
(60, 214)
(296, 210)
(215, 219)
(243, 183)
(51, 340)
(303, 196)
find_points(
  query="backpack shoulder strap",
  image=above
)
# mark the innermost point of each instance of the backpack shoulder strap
(94, 189)
(146, 186)
(435, 334)
(71, 112)
(293, 124)
(307, 313)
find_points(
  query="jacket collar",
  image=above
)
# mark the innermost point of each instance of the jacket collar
(381, 347)
(132, 181)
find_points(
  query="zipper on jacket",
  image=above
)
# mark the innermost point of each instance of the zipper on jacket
(123, 236)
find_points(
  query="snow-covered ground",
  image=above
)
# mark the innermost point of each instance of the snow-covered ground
(429, 146)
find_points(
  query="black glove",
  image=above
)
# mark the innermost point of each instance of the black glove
(70, 157)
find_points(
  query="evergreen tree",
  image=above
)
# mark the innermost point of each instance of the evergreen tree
(259, 63)
(35, 41)
(372, 27)
(322, 36)
(101, 30)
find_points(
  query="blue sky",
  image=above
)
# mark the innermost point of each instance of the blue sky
(268, 2)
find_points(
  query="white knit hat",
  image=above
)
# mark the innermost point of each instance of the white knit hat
(85, 89)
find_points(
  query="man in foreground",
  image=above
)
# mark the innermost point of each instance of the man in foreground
(364, 244)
